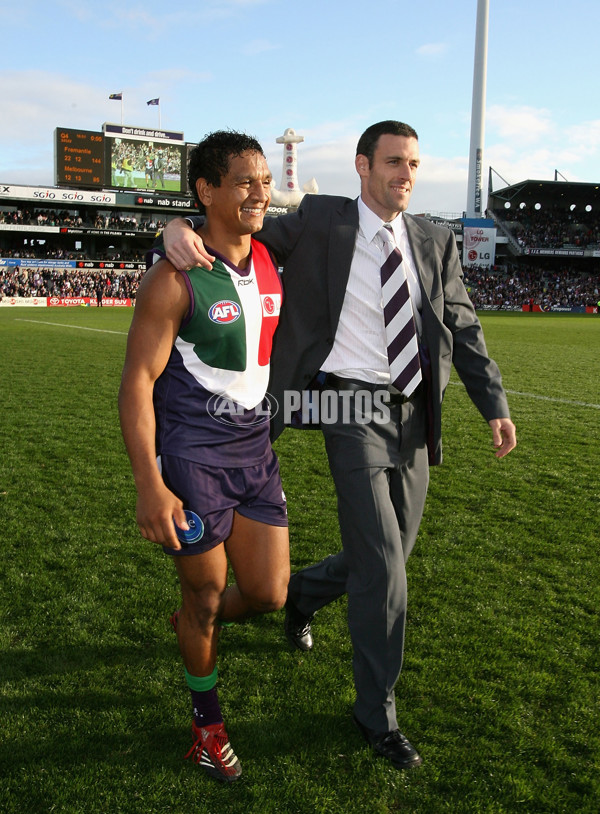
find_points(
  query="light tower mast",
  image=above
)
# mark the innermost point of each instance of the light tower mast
(474, 199)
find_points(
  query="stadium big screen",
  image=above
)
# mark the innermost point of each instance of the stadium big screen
(129, 158)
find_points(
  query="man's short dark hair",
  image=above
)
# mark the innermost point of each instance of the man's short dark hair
(210, 158)
(367, 143)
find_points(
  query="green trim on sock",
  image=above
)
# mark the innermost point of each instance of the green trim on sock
(201, 683)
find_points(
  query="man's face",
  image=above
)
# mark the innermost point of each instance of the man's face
(239, 204)
(386, 186)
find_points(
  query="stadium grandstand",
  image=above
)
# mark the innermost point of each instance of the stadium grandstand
(548, 233)
(538, 248)
(63, 244)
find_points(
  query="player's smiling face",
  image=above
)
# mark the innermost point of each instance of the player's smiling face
(387, 184)
(242, 199)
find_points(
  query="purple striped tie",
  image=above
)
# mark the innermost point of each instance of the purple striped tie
(400, 330)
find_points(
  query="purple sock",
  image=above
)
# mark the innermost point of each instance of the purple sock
(206, 707)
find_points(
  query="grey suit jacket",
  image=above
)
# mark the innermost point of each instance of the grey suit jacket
(315, 247)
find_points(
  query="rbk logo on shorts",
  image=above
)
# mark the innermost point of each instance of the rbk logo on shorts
(224, 311)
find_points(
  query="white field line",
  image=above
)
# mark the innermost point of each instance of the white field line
(79, 327)
(544, 398)
(458, 384)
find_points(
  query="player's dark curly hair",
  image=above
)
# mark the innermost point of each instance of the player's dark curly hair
(367, 143)
(210, 158)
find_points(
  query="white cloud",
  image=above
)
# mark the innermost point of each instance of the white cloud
(176, 77)
(331, 163)
(235, 3)
(151, 22)
(585, 137)
(441, 186)
(39, 102)
(441, 183)
(259, 47)
(522, 142)
(527, 143)
(432, 49)
(528, 124)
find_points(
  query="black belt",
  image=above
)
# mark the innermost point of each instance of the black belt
(339, 383)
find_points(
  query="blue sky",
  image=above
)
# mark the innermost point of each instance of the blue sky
(327, 69)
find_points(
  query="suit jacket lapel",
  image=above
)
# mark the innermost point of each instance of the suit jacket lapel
(344, 227)
(422, 247)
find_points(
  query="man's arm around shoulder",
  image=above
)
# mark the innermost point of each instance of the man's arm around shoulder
(184, 247)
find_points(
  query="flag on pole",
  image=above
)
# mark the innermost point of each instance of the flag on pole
(153, 102)
(117, 96)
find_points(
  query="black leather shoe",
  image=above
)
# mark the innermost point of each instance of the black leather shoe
(297, 627)
(391, 745)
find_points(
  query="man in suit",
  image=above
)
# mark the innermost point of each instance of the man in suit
(333, 321)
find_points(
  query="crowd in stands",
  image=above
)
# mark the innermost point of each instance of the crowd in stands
(495, 288)
(525, 284)
(44, 252)
(120, 221)
(544, 228)
(54, 253)
(552, 229)
(17, 282)
(510, 286)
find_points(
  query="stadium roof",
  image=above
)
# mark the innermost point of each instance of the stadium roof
(556, 194)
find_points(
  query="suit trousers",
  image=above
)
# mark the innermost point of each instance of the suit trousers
(381, 475)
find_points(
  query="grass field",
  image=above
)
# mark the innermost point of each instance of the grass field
(500, 690)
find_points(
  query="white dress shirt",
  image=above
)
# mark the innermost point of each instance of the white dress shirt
(360, 350)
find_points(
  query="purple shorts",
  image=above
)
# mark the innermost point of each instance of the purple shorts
(214, 494)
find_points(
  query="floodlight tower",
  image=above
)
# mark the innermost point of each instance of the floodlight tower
(474, 202)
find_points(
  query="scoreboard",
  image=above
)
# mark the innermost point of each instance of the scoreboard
(79, 158)
(122, 158)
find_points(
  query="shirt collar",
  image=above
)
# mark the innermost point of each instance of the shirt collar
(370, 223)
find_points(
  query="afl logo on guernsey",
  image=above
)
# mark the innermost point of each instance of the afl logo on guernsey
(224, 311)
